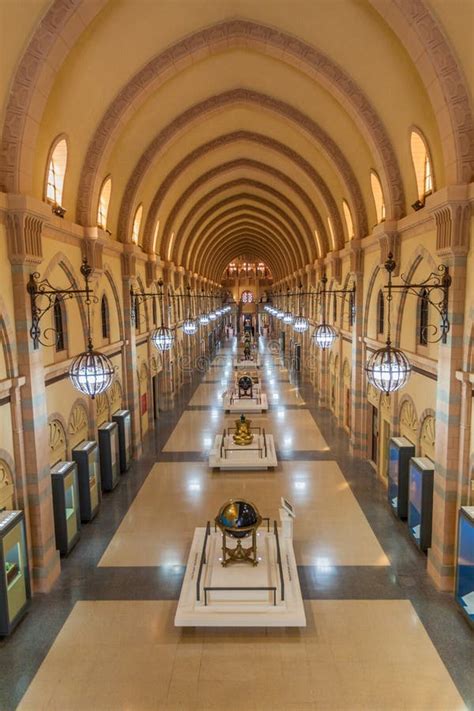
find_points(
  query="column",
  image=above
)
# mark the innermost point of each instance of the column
(130, 351)
(358, 357)
(452, 239)
(24, 233)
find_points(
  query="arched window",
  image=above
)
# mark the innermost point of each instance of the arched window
(331, 232)
(247, 297)
(104, 314)
(155, 235)
(154, 312)
(104, 201)
(423, 313)
(136, 312)
(422, 165)
(136, 224)
(59, 326)
(56, 172)
(380, 313)
(351, 309)
(378, 196)
(334, 308)
(348, 218)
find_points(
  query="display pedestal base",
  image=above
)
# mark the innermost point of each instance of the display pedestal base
(225, 607)
(245, 404)
(225, 454)
(238, 363)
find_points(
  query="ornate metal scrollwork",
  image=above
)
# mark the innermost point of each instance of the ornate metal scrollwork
(43, 297)
(435, 291)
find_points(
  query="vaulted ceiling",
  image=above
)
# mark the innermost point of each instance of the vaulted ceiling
(240, 126)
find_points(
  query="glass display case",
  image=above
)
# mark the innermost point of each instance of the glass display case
(15, 581)
(420, 505)
(109, 455)
(67, 515)
(401, 450)
(86, 456)
(124, 423)
(464, 591)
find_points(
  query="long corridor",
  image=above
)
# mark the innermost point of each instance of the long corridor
(378, 636)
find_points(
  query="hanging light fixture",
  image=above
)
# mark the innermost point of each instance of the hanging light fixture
(162, 337)
(324, 335)
(189, 324)
(91, 372)
(300, 324)
(388, 369)
(204, 316)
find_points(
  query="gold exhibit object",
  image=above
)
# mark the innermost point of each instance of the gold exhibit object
(238, 519)
(242, 435)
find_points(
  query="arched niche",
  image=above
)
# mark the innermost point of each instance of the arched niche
(115, 395)
(78, 425)
(7, 488)
(428, 436)
(408, 420)
(57, 441)
(102, 412)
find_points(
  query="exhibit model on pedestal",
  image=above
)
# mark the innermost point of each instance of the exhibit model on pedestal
(241, 573)
(246, 397)
(247, 358)
(246, 448)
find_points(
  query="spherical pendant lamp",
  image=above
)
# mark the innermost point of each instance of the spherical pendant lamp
(301, 324)
(388, 369)
(91, 372)
(190, 327)
(162, 338)
(324, 336)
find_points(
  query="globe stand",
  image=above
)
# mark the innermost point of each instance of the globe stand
(239, 554)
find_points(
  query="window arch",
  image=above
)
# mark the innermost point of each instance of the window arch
(56, 171)
(334, 308)
(136, 312)
(422, 164)
(105, 317)
(59, 326)
(377, 194)
(247, 297)
(331, 232)
(154, 311)
(104, 200)
(136, 224)
(423, 313)
(380, 313)
(348, 218)
(351, 309)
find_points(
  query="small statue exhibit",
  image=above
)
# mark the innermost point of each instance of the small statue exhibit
(238, 519)
(245, 386)
(242, 435)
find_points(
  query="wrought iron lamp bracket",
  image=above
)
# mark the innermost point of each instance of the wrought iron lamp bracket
(434, 289)
(43, 296)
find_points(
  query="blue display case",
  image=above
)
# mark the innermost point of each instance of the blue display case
(465, 562)
(420, 507)
(15, 578)
(401, 450)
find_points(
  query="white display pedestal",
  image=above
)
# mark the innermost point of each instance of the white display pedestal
(238, 363)
(225, 454)
(276, 606)
(286, 524)
(233, 403)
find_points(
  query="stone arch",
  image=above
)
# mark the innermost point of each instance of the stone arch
(107, 272)
(57, 438)
(427, 434)
(415, 24)
(418, 255)
(243, 96)
(222, 141)
(78, 424)
(247, 182)
(102, 409)
(368, 297)
(7, 341)
(7, 481)
(115, 396)
(408, 419)
(62, 261)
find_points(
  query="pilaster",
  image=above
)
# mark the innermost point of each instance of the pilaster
(130, 351)
(24, 234)
(452, 240)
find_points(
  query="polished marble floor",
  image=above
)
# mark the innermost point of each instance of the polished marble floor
(379, 636)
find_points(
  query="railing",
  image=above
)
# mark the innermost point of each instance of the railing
(280, 567)
(202, 561)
